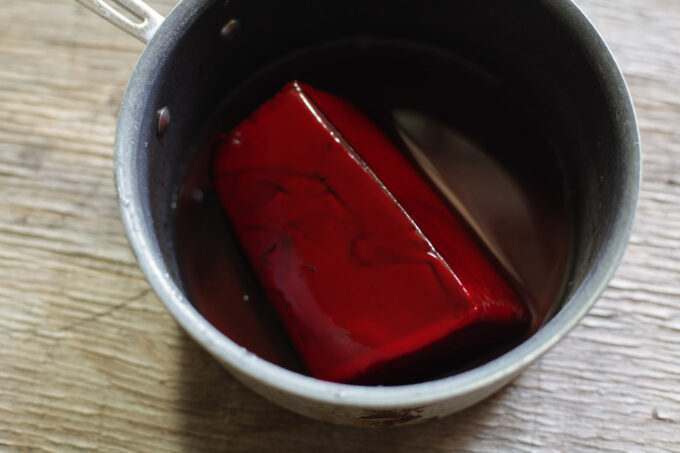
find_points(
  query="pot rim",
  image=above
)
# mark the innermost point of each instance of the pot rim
(139, 229)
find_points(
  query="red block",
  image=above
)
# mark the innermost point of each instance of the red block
(373, 275)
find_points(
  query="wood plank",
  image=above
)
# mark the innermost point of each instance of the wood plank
(91, 361)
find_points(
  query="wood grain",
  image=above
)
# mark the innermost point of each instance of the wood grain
(91, 361)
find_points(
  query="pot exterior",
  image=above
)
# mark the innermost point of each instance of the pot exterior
(175, 73)
(356, 415)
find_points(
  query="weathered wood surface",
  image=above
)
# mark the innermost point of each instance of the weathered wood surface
(90, 360)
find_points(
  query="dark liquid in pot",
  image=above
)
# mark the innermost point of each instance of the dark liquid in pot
(462, 127)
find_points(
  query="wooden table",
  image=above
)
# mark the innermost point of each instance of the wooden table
(91, 361)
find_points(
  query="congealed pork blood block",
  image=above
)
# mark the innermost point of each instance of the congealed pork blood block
(373, 275)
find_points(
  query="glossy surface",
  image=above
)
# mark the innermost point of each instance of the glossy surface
(374, 277)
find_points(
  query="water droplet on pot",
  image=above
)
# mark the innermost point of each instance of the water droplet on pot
(162, 120)
(197, 195)
(229, 30)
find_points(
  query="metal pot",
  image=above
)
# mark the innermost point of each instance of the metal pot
(547, 49)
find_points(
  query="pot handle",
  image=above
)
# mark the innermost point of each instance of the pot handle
(148, 20)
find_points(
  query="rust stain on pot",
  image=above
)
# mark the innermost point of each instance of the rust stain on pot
(392, 417)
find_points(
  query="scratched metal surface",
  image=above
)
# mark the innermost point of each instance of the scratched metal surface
(90, 360)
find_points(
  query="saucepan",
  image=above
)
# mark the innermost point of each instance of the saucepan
(547, 48)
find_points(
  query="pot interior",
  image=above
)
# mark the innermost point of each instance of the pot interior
(545, 68)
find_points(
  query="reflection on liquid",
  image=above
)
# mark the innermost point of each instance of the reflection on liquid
(496, 205)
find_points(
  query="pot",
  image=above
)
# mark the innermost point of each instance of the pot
(546, 49)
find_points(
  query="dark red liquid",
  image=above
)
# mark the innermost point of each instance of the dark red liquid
(453, 121)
